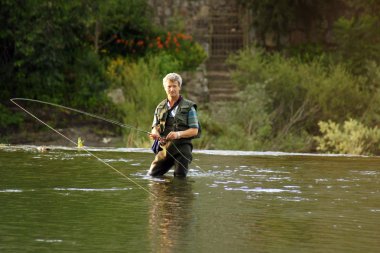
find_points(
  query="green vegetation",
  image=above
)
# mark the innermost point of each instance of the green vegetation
(51, 51)
(352, 137)
(284, 98)
(286, 92)
(74, 53)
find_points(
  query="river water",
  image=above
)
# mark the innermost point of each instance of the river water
(65, 200)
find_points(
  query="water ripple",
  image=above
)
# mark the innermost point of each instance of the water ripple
(93, 189)
(260, 189)
(49, 240)
(10, 190)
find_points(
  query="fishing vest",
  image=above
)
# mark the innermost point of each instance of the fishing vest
(177, 123)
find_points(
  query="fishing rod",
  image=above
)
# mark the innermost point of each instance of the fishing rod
(82, 112)
(107, 120)
(97, 117)
(73, 142)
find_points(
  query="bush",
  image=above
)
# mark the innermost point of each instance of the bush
(285, 98)
(242, 129)
(211, 131)
(299, 94)
(141, 82)
(350, 138)
(9, 119)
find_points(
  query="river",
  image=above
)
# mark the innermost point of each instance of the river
(65, 200)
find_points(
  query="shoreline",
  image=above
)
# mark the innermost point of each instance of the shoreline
(46, 137)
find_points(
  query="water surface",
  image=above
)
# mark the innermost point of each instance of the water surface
(64, 200)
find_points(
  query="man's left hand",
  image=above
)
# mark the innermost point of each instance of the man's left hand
(172, 136)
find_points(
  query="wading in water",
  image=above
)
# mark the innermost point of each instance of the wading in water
(175, 124)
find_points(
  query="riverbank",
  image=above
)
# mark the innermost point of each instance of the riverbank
(91, 136)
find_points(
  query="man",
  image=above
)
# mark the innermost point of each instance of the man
(175, 123)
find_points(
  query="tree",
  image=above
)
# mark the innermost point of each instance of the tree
(279, 18)
(55, 50)
(114, 19)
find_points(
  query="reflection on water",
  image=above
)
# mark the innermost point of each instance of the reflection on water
(63, 200)
(170, 213)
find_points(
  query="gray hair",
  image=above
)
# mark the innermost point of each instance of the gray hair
(174, 77)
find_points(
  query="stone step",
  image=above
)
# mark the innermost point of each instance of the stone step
(216, 59)
(224, 74)
(231, 15)
(228, 91)
(230, 20)
(222, 27)
(226, 40)
(218, 67)
(220, 83)
(213, 81)
(221, 66)
(222, 90)
(225, 51)
(218, 76)
(222, 97)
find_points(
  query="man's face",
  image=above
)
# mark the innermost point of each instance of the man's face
(172, 89)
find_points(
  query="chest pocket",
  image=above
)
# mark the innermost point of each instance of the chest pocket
(182, 115)
(161, 113)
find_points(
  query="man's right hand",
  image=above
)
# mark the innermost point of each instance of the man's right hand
(154, 136)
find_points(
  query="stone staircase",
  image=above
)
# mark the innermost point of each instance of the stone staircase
(226, 36)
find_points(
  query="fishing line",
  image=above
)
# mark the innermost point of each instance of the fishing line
(179, 151)
(82, 112)
(73, 142)
(107, 120)
(100, 118)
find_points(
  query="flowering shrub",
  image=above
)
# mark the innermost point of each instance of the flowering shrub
(181, 46)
